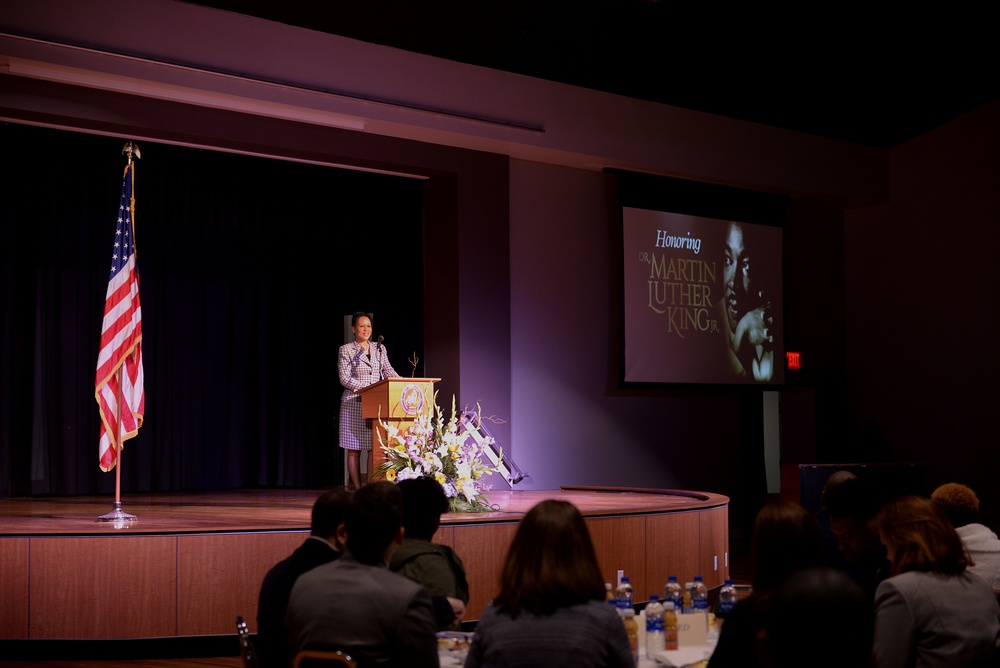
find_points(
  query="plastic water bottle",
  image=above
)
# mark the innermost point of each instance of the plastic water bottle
(609, 594)
(672, 592)
(632, 631)
(699, 595)
(655, 639)
(669, 625)
(624, 593)
(727, 598)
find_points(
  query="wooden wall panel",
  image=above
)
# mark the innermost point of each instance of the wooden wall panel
(219, 577)
(445, 536)
(14, 588)
(672, 548)
(620, 544)
(482, 548)
(714, 545)
(110, 587)
(176, 583)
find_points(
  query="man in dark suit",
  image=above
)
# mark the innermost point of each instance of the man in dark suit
(356, 604)
(324, 544)
(852, 506)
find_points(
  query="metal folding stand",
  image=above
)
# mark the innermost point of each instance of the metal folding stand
(470, 423)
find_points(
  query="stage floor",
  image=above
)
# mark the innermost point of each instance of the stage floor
(289, 510)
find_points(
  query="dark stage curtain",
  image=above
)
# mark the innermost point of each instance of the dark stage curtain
(247, 267)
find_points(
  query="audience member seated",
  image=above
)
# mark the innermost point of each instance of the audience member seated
(785, 540)
(831, 551)
(356, 604)
(820, 618)
(853, 505)
(931, 611)
(961, 506)
(322, 546)
(550, 610)
(436, 567)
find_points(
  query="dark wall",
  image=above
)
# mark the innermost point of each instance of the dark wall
(922, 360)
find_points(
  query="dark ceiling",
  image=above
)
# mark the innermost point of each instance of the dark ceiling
(870, 74)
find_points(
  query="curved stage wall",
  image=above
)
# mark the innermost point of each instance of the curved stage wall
(192, 562)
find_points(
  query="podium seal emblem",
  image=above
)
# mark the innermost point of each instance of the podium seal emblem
(411, 397)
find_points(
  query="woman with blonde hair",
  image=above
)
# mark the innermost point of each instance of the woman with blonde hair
(550, 611)
(932, 611)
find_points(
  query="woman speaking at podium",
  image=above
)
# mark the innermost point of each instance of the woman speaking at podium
(361, 363)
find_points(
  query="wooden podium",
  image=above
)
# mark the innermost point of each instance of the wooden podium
(395, 401)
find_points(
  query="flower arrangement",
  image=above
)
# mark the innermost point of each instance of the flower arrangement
(430, 447)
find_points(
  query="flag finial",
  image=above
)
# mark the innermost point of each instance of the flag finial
(131, 149)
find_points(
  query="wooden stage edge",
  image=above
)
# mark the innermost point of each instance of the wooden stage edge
(192, 562)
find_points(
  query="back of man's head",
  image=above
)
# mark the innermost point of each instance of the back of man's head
(374, 519)
(424, 502)
(329, 512)
(836, 479)
(852, 497)
(958, 502)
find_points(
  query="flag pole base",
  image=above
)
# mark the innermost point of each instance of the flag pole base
(121, 519)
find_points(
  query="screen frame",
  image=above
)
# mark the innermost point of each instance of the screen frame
(698, 199)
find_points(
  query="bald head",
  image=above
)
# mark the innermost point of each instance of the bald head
(836, 479)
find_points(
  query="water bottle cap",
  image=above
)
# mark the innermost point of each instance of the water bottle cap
(672, 578)
(624, 578)
(654, 597)
(697, 578)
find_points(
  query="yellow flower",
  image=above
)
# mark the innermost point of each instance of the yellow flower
(440, 477)
(390, 475)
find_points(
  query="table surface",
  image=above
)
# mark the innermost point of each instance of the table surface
(673, 658)
(684, 656)
(455, 657)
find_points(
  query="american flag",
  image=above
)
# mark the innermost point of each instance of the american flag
(119, 363)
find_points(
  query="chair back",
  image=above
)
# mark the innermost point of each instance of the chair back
(318, 658)
(246, 646)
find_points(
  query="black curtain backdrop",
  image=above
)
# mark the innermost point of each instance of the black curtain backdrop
(247, 267)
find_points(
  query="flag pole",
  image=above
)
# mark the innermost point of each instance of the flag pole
(117, 516)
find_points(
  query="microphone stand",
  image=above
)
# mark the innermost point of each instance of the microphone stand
(378, 363)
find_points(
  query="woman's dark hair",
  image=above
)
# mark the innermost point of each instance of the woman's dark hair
(551, 563)
(918, 537)
(785, 540)
(357, 316)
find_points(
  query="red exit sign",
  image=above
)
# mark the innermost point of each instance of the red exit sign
(794, 360)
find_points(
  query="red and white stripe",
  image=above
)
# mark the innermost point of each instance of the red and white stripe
(121, 349)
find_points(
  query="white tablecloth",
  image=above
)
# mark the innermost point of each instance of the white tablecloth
(455, 658)
(675, 658)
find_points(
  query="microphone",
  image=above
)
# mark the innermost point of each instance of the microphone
(378, 363)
